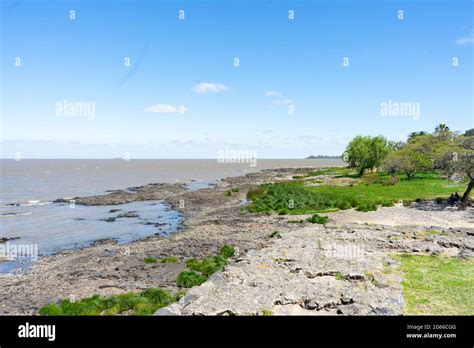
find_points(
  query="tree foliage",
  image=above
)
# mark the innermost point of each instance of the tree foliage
(365, 152)
(442, 150)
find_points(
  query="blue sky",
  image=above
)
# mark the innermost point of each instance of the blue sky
(188, 66)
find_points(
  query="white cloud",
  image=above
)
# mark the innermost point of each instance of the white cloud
(466, 39)
(278, 99)
(273, 94)
(204, 87)
(167, 109)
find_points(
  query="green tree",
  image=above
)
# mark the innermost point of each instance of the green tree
(469, 133)
(443, 131)
(461, 161)
(407, 161)
(365, 152)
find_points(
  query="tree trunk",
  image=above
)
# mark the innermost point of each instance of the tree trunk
(468, 190)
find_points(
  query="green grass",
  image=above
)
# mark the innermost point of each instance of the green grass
(336, 171)
(199, 270)
(437, 285)
(188, 279)
(143, 303)
(150, 260)
(171, 259)
(317, 219)
(371, 192)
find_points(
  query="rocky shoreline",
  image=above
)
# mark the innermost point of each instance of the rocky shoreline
(302, 280)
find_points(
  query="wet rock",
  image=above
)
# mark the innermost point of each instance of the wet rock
(129, 214)
(6, 239)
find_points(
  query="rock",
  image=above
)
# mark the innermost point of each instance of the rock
(129, 214)
(110, 219)
(382, 311)
(311, 304)
(172, 309)
(114, 210)
(354, 276)
(346, 300)
(6, 239)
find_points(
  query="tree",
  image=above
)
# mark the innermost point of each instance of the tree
(461, 160)
(413, 135)
(366, 152)
(407, 161)
(443, 131)
(469, 133)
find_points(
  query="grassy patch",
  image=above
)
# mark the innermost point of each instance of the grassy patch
(317, 219)
(199, 270)
(143, 303)
(437, 285)
(150, 259)
(171, 259)
(336, 171)
(294, 198)
(188, 279)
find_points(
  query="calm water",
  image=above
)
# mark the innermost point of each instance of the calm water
(28, 187)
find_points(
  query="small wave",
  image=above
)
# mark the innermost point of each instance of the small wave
(29, 203)
(34, 203)
(15, 214)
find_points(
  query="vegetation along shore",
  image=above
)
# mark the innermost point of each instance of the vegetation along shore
(386, 235)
